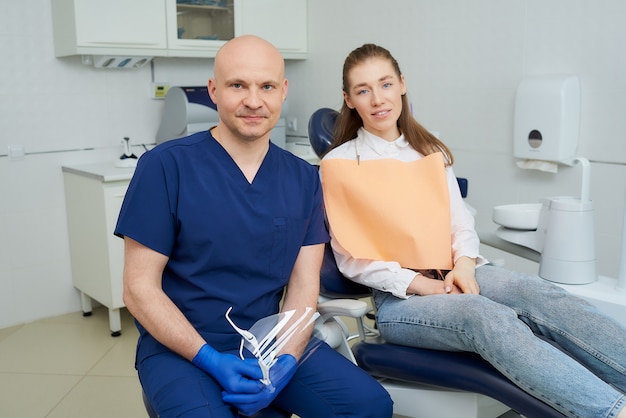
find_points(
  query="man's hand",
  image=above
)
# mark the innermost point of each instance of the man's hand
(280, 374)
(232, 373)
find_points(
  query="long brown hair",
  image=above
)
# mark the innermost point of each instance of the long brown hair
(348, 122)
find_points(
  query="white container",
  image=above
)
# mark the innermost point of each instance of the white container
(547, 118)
(569, 251)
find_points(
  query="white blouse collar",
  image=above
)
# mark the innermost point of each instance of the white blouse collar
(379, 145)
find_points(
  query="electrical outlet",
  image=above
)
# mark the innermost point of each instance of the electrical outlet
(292, 124)
(159, 90)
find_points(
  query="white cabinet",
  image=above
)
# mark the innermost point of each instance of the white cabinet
(111, 27)
(93, 196)
(187, 28)
(200, 30)
(281, 22)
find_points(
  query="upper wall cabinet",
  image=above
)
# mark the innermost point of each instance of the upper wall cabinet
(197, 28)
(175, 28)
(282, 22)
(111, 27)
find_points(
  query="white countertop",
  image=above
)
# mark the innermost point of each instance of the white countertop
(605, 288)
(104, 172)
(491, 239)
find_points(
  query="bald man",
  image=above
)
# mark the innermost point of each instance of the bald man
(225, 219)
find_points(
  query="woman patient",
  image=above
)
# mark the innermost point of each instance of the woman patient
(399, 225)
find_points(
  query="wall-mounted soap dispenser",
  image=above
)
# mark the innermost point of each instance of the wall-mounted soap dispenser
(546, 121)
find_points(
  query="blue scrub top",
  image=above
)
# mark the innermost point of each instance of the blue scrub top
(229, 242)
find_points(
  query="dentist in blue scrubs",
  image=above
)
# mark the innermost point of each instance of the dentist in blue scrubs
(220, 219)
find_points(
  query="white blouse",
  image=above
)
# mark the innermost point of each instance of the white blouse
(388, 275)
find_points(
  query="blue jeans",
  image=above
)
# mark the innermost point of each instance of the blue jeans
(553, 345)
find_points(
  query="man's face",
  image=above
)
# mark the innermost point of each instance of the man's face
(249, 88)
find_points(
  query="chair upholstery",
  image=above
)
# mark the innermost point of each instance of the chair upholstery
(321, 124)
(459, 371)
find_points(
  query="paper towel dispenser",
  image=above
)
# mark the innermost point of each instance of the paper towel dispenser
(186, 110)
(547, 118)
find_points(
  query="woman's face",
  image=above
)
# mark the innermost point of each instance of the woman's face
(376, 94)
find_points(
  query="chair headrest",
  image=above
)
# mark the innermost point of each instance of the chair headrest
(321, 127)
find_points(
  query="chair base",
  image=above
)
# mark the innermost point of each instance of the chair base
(419, 401)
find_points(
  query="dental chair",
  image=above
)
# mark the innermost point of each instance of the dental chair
(423, 383)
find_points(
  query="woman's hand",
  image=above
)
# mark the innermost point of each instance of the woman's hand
(424, 286)
(462, 276)
(461, 279)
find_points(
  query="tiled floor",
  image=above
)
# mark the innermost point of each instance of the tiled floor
(69, 367)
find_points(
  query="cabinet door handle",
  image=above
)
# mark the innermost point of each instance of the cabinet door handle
(122, 43)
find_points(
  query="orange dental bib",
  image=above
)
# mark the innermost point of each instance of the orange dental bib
(390, 210)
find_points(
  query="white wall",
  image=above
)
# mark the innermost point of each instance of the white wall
(462, 60)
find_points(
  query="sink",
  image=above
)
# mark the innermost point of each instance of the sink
(524, 216)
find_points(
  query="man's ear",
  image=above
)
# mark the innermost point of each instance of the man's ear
(212, 87)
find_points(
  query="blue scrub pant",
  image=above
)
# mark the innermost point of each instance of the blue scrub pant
(325, 385)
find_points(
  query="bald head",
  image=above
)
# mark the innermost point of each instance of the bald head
(249, 53)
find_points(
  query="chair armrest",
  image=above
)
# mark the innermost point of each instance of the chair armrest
(343, 307)
(330, 327)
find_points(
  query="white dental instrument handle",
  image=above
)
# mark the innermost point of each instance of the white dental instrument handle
(266, 374)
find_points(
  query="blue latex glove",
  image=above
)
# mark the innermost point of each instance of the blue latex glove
(280, 374)
(232, 373)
